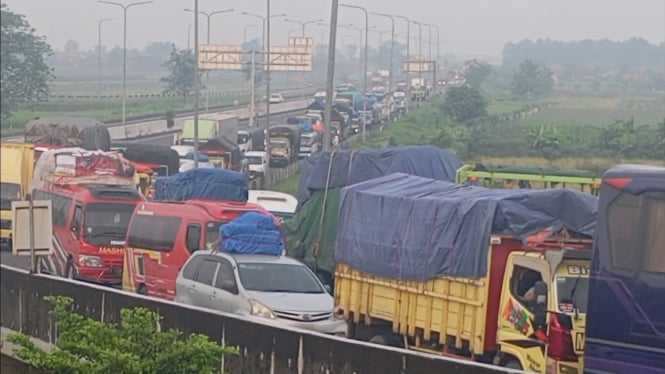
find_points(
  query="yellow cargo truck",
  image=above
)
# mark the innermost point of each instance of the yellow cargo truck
(16, 170)
(396, 286)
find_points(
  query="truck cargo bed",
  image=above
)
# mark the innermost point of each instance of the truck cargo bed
(441, 308)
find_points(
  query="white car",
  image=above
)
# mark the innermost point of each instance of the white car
(270, 287)
(276, 99)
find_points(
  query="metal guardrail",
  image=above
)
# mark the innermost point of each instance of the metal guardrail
(295, 94)
(264, 344)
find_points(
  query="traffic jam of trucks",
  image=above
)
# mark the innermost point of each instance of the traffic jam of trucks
(537, 269)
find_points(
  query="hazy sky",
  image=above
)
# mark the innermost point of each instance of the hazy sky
(468, 27)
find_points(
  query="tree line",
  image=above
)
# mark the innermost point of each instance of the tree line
(604, 54)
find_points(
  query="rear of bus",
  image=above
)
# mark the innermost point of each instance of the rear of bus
(625, 330)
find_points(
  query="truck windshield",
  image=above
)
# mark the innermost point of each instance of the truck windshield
(278, 143)
(106, 223)
(272, 277)
(242, 138)
(572, 292)
(254, 160)
(9, 192)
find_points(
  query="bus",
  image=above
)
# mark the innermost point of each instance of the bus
(625, 331)
(511, 177)
(93, 197)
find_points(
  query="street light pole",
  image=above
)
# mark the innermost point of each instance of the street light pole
(124, 50)
(263, 21)
(99, 54)
(408, 57)
(189, 37)
(303, 24)
(330, 75)
(420, 49)
(244, 33)
(208, 16)
(197, 84)
(364, 63)
(392, 45)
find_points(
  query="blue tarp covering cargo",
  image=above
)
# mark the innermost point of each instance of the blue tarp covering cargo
(350, 167)
(406, 227)
(253, 233)
(204, 184)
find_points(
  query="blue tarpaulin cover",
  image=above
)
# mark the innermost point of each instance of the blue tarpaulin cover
(205, 184)
(407, 227)
(253, 233)
(350, 167)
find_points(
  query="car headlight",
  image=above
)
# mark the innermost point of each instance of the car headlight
(260, 310)
(91, 261)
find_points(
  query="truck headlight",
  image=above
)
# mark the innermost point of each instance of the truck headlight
(260, 310)
(91, 261)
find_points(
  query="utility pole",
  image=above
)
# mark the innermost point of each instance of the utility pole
(99, 54)
(330, 75)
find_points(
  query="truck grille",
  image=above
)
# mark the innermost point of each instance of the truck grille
(303, 317)
(5, 224)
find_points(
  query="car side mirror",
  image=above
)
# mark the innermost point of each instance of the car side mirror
(540, 291)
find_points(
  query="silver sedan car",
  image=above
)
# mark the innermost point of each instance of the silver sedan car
(273, 287)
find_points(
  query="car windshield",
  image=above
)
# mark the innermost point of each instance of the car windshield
(106, 223)
(9, 192)
(275, 96)
(306, 140)
(274, 277)
(572, 293)
(278, 143)
(254, 160)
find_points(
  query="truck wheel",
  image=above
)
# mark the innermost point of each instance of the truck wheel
(512, 363)
(143, 290)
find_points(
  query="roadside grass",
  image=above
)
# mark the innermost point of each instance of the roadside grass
(106, 110)
(289, 185)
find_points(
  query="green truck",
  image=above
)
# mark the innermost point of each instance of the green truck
(528, 177)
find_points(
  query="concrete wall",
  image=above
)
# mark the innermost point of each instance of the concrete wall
(263, 348)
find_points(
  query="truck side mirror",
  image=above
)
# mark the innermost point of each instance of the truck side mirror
(540, 290)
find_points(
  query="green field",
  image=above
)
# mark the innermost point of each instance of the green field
(598, 111)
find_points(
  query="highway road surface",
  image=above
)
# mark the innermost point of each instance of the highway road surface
(6, 258)
(167, 139)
